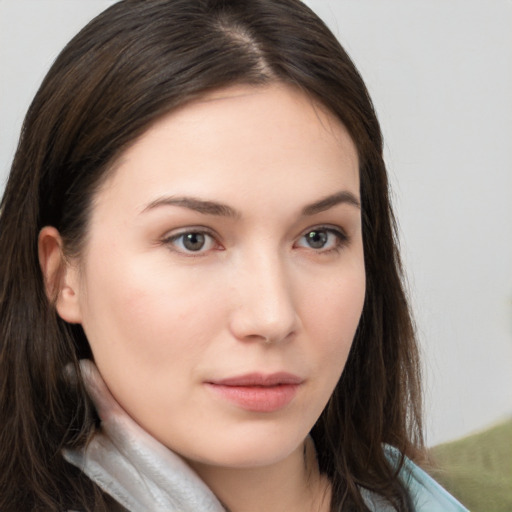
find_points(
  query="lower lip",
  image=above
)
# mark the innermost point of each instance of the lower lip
(258, 398)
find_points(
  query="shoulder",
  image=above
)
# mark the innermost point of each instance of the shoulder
(426, 494)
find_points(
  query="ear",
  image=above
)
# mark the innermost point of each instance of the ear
(61, 278)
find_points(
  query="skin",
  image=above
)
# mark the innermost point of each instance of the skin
(261, 295)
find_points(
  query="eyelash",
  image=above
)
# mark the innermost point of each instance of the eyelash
(340, 242)
(170, 241)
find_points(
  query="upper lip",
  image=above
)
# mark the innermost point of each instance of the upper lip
(259, 379)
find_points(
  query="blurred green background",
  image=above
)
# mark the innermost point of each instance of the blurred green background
(477, 469)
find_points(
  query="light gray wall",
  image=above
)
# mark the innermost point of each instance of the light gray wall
(440, 73)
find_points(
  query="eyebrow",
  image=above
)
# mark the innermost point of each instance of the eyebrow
(193, 203)
(223, 210)
(343, 197)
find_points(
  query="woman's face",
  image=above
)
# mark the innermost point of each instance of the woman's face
(223, 277)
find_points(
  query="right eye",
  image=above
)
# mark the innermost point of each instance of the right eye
(191, 242)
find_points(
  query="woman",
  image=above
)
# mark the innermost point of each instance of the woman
(199, 205)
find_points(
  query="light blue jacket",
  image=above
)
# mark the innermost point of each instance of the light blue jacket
(426, 494)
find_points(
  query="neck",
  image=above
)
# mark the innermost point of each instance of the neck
(291, 484)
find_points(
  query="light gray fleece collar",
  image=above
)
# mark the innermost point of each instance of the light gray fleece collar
(133, 467)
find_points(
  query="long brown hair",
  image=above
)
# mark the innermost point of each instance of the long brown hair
(132, 64)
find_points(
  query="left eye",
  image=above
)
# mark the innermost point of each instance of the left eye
(321, 239)
(192, 241)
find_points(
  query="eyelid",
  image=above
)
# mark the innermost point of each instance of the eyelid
(170, 237)
(174, 233)
(340, 234)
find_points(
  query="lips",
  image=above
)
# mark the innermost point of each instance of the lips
(258, 392)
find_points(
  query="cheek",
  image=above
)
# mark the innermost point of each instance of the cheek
(333, 314)
(144, 320)
(336, 307)
(147, 332)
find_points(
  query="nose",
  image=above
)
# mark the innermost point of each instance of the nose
(263, 308)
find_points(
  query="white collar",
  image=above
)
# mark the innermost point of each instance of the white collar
(133, 467)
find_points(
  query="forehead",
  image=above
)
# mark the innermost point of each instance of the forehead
(241, 138)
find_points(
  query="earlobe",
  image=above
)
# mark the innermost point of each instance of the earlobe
(60, 276)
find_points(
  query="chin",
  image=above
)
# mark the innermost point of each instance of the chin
(252, 450)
